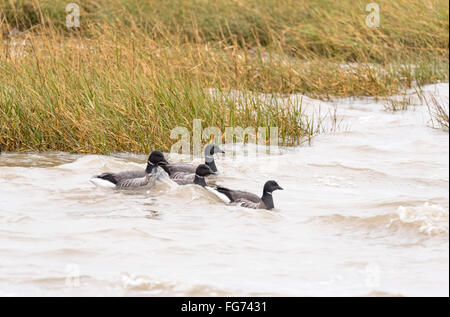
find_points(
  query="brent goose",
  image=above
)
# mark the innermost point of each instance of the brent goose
(198, 178)
(133, 179)
(249, 200)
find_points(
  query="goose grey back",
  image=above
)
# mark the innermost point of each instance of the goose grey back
(137, 178)
(210, 151)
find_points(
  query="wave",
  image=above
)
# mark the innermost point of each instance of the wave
(140, 283)
(428, 220)
(382, 294)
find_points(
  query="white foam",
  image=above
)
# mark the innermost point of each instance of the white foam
(430, 219)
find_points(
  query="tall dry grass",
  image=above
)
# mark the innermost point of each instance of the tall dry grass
(439, 110)
(136, 69)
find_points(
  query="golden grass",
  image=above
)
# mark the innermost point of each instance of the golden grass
(136, 69)
(82, 96)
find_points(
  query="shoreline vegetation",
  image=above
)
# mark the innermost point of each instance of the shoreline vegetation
(136, 69)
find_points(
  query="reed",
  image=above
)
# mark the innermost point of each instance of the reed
(136, 69)
(87, 98)
(438, 109)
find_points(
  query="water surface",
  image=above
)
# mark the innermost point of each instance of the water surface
(364, 212)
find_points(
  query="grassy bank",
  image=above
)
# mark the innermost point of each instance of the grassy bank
(136, 69)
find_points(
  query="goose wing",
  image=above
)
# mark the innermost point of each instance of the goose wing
(183, 178)
(180, 168)
(235, 195)
(148, 179)
(117, 178)
(130, 175)
(250, 204)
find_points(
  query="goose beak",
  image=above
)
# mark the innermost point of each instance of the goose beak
(280, 188)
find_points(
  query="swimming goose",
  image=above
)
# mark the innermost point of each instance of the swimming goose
(210, 150)
(133, 179)
(198, 178)
(249, 200)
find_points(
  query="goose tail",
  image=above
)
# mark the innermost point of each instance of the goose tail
(224, 191)
(104, 180)
(218, 194)
(107, 177)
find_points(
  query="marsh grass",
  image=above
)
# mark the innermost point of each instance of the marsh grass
(439, 112)
(136, 69)
(398, 103)
(86, 98)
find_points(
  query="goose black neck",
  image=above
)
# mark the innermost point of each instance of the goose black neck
(211, 163)
(199, 180)
(166, 169)
(150, 167)
(268, 200)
